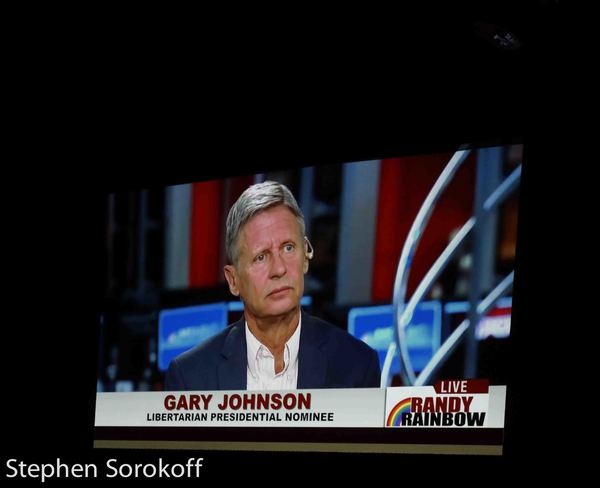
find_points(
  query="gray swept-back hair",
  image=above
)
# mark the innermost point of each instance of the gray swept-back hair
(254, 200)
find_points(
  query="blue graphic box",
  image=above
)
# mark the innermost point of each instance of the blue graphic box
(374, 325)
(180, 329)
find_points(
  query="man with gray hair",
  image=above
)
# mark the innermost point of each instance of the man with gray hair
(275, 345)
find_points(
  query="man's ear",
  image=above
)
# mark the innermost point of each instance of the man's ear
(232, 279)
(307, 256)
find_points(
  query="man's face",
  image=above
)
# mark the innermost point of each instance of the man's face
(271, 264)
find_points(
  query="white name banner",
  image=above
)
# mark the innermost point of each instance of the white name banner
(455, 404)
(360, 407)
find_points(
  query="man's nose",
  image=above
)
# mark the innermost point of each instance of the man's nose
(278, 266)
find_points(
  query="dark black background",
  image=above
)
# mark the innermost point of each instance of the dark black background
(168, 113)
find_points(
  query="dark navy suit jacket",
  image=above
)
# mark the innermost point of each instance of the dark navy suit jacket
(328, 358)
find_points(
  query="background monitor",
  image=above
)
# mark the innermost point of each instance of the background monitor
(374, 325)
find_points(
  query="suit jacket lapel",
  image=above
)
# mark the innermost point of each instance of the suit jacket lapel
(312, 361)
(232, 370)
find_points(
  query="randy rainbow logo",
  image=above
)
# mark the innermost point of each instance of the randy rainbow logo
(395, 417)
(451, 406)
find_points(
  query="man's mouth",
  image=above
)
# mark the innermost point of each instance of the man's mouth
(277, 291)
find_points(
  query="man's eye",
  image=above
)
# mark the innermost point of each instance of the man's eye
(260, 258)
(289, 247)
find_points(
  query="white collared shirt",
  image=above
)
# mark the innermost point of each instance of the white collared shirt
(261, 363)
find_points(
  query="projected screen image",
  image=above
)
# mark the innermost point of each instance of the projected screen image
(219, 286)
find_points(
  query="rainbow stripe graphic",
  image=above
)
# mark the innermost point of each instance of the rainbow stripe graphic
(395, 416)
